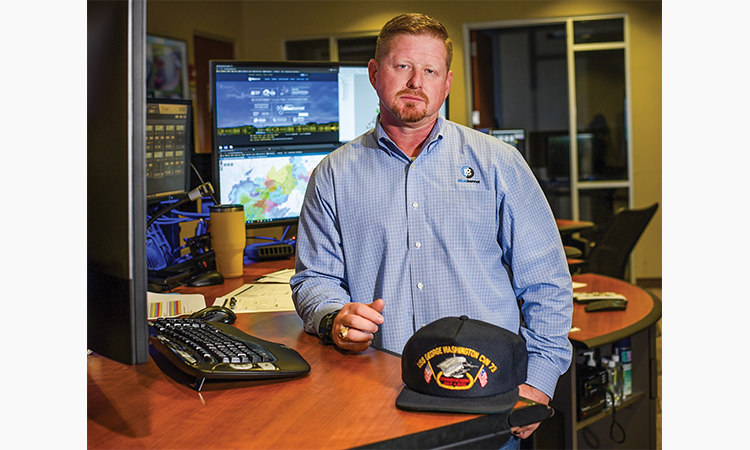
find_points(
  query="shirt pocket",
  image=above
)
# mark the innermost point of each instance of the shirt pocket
(465, 214)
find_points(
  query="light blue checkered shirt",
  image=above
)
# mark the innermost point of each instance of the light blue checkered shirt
(464, 229)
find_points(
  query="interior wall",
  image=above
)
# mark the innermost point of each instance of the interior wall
(181, 19)
(261, 26)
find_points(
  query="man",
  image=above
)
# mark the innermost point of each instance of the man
(421, 218)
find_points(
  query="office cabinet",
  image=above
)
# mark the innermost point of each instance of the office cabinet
(637, 415)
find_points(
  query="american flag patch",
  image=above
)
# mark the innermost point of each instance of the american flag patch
(427, 373)
(482, 377)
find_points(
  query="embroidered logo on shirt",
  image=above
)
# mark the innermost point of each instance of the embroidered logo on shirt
(468, 174)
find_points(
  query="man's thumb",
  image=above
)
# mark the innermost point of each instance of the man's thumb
(378, 305)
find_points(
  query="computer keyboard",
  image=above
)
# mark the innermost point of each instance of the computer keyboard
(214, 350)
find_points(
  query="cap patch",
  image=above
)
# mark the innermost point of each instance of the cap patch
(458, 368)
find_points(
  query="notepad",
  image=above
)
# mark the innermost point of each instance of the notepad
(262, 297)
(280, 276)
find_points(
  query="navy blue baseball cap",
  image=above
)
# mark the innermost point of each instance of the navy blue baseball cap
(457, 364)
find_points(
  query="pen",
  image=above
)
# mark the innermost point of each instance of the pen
(248, 288)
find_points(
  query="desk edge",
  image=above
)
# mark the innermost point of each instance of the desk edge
(651, 318)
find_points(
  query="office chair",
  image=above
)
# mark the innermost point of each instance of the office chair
(573, 255)
(609, 254)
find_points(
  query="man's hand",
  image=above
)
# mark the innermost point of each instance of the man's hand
(360, 321)
(536, 395)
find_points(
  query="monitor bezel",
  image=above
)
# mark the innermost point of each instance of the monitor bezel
(117, 315)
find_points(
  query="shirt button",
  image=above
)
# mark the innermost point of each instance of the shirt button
(417, 244)
(420, 286)
(414, 205)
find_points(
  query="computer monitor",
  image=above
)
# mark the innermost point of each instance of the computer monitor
(273, 122)
(169, 144)
(515, 137)
(558, 157)
(116, 182)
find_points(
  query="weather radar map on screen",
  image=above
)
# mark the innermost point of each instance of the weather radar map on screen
(270, 188)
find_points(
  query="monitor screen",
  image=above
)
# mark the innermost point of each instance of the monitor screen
(514, 137)
(273, 122)
(558, 157)
(168, 147)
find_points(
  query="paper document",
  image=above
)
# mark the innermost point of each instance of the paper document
(281, 276)
(173, 305)
(258, 298)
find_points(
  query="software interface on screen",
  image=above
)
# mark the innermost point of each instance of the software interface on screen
(275, 122)
(515, 137)
(167, 148)
(511, 136)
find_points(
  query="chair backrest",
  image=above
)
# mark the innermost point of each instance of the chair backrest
(612, 249)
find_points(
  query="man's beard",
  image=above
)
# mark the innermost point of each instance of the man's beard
(409, 112)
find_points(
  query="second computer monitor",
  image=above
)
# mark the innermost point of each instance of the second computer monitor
(513, 136)
(168, 148)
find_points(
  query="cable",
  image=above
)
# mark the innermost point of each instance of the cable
(203, 182)
(272, 238)
(614, 422)
(192, 215)
(202, 190)
(157, 249)
(285, 232)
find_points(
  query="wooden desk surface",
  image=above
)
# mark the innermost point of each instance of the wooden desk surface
(571, 226)
(347, 400)
(600, 328)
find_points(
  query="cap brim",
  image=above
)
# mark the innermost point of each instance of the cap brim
(410, 400)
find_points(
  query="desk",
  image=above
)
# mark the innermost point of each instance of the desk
(347, 400)
(567, 227)
(598, 331)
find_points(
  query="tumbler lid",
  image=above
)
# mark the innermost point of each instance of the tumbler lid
(226, 208)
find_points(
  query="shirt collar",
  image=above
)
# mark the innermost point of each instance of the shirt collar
(389, 146)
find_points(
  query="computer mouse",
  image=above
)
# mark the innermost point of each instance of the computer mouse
(607, 305)
(215, 314)
(156, 288)
(206, 279)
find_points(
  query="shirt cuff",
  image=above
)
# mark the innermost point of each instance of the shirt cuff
(318, 316)
(541, 376)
